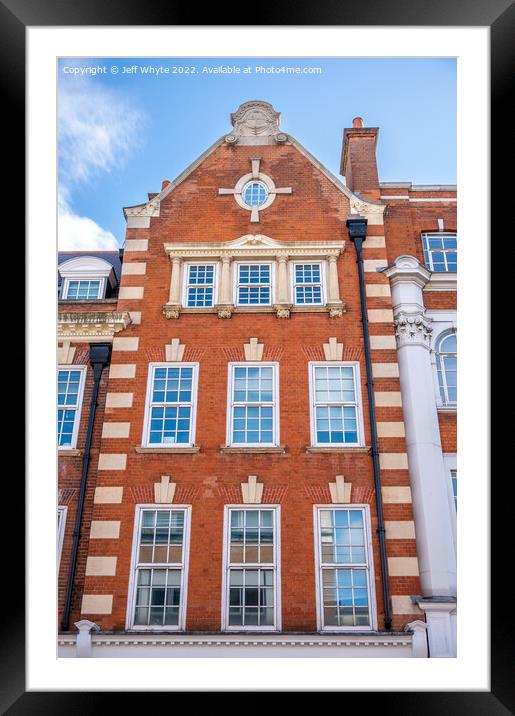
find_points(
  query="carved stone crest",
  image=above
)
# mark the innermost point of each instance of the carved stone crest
(255, 118)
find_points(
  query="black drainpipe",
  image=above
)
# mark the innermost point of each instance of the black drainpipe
(357, 228)
(99, 356)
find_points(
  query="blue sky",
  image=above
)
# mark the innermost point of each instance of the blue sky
(121, 133)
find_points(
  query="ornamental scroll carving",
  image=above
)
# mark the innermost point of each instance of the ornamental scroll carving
(412, 329)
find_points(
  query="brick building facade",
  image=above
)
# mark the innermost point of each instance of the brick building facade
(229, 485)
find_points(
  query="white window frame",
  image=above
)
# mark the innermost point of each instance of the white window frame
(62, 512)
(440, 369)
(275, 402)
(323, 282)
(359, 403)
(261, 183)
(101, 290)
(185, 277)
(426, 235)
(369, 570)
(148, 404)
(78, 410)
(131, 597)
(451, 464)
(226, 564)
(236, 283)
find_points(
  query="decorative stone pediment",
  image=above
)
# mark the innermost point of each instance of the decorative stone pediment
(255, 245)
(85, 326)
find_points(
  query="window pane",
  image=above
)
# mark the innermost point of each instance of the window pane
(255, 194)
(200, 286)
(171, 396)
(254, 284)
(344, 588)
(252, 419)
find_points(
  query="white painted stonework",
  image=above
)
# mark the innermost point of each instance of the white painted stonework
(122, 370)
(429, 483)
(402, 645)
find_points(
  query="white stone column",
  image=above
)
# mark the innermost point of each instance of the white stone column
(419, 639)
(441, 627)
(225, 281)
(433, 526)
(333, 289)
(175, 283)
(282, 280)
(84, 645)
(225, 303)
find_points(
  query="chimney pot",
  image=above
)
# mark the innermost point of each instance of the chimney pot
(164, 184)
(357, 122)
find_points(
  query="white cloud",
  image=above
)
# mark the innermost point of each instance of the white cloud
(98, 129)
(80, 233)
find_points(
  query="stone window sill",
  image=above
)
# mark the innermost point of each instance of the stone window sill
(365, 449)
(166, 450)
(266, 450)
(68, 452)
(446, 408)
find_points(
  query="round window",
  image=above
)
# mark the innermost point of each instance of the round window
(254, 193)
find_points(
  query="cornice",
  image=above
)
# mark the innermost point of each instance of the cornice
(442, 282)
(251, 640)
(407, 269)
(91, 324)
(257, 245)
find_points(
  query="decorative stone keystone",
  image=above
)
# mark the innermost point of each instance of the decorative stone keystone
(340, 491)
(84, 646)
(174, 351)
(252, 491)
(253, 349)
(164, 491)
(65, 354)
(333, 350)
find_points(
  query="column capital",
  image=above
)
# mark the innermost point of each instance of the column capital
(177, 260)
(407, 269)
(226, 258)
(412, 328)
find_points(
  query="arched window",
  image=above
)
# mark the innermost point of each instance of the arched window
(446, 357)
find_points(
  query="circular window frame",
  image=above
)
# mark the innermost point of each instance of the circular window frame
(253, 178)
(259, 183)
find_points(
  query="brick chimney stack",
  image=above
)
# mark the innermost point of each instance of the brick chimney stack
(358, 162)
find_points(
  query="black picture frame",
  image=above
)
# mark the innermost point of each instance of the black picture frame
(499, 16)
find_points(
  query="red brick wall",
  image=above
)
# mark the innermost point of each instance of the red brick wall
(194, 211)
